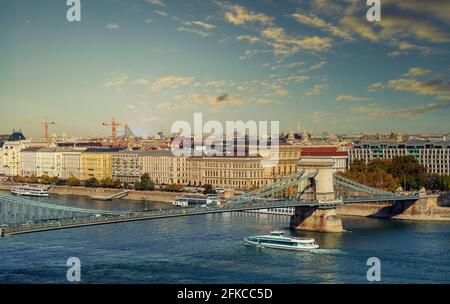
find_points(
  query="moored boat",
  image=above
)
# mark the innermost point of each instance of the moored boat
(27, 190)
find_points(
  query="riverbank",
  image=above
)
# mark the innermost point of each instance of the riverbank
(133, 195)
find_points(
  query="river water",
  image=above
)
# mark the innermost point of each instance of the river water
(209, 249)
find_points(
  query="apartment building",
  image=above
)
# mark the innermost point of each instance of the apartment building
(70, 162)
(126, 166)
(433, 155)
(165, 168)
(97, 163)
(28, 161)
(48, 162)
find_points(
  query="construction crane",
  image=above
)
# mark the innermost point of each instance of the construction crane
(46, 124)
(113, 124)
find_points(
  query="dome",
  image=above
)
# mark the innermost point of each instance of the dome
(17, 136)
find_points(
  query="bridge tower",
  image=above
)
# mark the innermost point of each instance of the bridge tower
(321, 189)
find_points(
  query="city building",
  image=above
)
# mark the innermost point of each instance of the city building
(97, 163)
(28, 161)
(339, 158)
(70, 162)
(235, 172)
(164, 168)
(126, 166)
(48, 162)
(11, 156)
(433, 155)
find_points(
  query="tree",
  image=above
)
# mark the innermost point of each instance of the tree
(45, 179)
(409, 172)
(173, 188)
(33, 179)
(358, 166)
(73, 181)
(146, 183)
(61, 182)
(106, 182)
(92, 183)
(208, 189)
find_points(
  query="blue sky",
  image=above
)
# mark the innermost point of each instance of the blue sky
(151, 62)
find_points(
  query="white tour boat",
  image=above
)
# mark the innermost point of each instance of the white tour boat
(278, 241)
(27, 190)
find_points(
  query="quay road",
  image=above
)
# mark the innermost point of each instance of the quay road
(147, 215)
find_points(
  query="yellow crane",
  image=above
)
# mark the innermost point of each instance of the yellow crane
(46, 124)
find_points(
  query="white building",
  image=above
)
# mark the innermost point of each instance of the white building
(28, 161)
(433, 155)
(11, 156)
(48, 163)
(70, 163)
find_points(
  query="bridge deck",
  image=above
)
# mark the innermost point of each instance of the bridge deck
(140, 216)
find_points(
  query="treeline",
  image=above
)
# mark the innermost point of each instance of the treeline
(145, 183)
(71, 181)
(401, 171)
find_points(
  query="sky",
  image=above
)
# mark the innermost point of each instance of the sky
(317, 64)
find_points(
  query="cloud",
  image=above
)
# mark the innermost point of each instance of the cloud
(317, 66)
(170, 82)
(167, 106)
(433, 86)
(117, 80)
(204, 25)
(156, 2)
(284, 44)
(374, 112)
(417, 72)
(321, 24)
(249, 39)
(195, 31)
(112, 26)
(434, 8)
(197, 27)
(376, 86)
(161, 13)
(350, 98)
(395, 28)
(141, 81)
(239, 15)
(317, 89)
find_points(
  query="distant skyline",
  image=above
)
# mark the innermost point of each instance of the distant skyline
(150, 62)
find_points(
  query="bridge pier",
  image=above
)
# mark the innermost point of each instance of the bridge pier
(316, 219)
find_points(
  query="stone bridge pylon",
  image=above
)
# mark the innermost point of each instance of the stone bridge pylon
(321, 217)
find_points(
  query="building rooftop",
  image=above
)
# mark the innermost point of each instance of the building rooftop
(157, 153)
(31, 149)
(103, 150)
(413, 143)
(16, 136)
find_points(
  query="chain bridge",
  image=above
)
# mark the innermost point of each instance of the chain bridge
(315, 191)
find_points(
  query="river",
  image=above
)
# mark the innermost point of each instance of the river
(209, 249)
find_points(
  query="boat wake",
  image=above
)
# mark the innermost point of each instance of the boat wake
(328, 251)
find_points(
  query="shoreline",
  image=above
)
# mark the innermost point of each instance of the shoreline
(133, 195)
